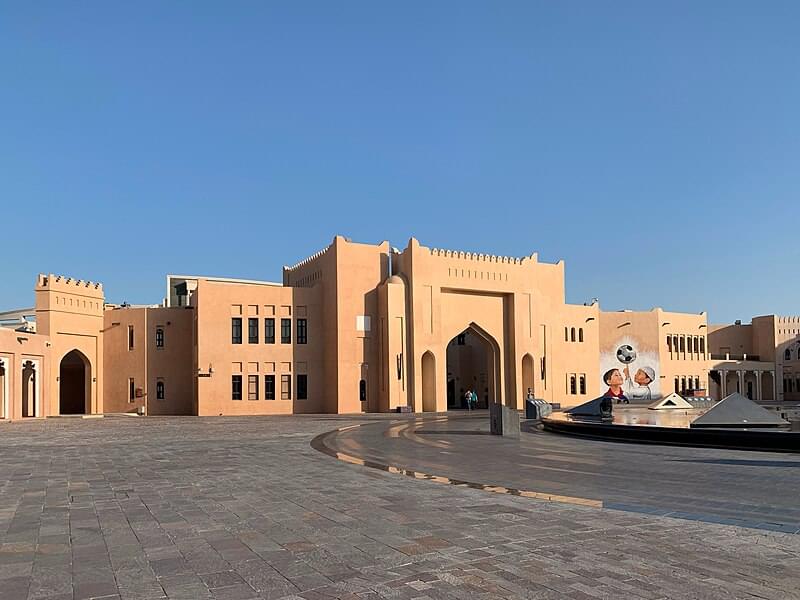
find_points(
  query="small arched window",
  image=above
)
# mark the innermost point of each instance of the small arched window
(159, 390)
(787, 354)
(566, 334)
(572, 334)
(580, 334)
(583, 384)
(362, 390)
(159, 337)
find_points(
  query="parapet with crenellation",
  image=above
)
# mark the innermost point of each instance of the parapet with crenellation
(69, 285)
(483, 258)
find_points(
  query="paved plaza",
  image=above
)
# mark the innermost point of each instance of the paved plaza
(244, 508)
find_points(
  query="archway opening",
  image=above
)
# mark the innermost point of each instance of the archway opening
(527, 375)
(30, 389)
(428, 382)
(74, 384)
(470, 367)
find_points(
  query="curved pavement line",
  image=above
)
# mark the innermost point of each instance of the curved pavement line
(318, 443)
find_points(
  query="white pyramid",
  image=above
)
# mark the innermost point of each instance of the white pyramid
(671, 402)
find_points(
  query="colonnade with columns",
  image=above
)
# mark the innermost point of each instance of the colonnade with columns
(735, 380)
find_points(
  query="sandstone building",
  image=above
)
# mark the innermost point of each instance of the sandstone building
(353, 328)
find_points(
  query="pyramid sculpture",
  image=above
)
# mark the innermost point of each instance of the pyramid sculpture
(672, 401)
(737, 411)
(599, 407)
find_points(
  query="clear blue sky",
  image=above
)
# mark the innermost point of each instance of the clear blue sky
(653, 146)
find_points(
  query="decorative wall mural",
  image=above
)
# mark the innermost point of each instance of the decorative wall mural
(630, 371)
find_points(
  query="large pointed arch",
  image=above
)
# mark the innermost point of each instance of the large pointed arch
(75, 384)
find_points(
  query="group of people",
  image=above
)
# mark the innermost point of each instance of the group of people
(471, 399)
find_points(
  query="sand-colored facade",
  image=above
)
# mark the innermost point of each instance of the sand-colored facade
(760, 359)
(353, 328)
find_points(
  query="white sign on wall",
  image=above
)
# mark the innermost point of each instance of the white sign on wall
(362, 323)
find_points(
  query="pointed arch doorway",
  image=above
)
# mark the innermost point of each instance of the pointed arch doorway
(472, 364)
(75, 388)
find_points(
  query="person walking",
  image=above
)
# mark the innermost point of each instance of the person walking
(468, 398)
(474, 398)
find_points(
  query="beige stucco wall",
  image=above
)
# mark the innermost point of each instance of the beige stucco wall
(70, 312)
(16, 348)
(216, 304)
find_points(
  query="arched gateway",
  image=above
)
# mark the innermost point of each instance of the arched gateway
(75, 388)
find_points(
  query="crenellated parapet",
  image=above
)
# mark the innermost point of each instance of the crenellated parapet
(483, 258)
(69, 285)
(308, 260)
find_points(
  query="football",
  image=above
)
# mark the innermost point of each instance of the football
(626, 354)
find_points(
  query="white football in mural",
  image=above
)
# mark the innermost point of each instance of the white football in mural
(626, 354)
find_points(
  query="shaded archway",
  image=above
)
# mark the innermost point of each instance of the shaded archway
(527, 375)
(428, 382)
(74, 390)
(472, 364)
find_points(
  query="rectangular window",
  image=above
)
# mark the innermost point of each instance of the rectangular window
(131, 390)
(573, 389)
(703, 346)
(252, 387)
(236, 387)
(159, 390)
(269, 387)
(302, 334)
(302, 387)
(130, 337)
(159, 337)
(683, 344)
(669, 344)
(583, 384)
(269, 331)
(286, 387)
(286, 331)
(236, 330)
(252, 331)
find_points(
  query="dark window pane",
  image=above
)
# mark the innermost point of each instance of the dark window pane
(252, 331)
(159, 390)
(269, 331)
(269, 387)
(236, 387)
(236, 330)
(302, 333)
(159, 338)
(302, 387)
(286, 331)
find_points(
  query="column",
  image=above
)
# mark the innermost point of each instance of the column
(758, 386)
(723, 375)
(740, 374)
(774, 387)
